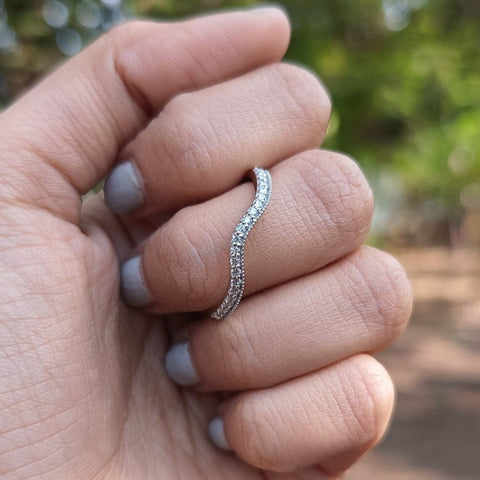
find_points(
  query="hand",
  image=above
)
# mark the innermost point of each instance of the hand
(83, 388)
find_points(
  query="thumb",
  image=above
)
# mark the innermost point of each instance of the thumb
(61, 139)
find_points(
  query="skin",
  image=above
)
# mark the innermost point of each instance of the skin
(83, 390)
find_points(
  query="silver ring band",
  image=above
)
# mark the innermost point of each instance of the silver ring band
(263, 185)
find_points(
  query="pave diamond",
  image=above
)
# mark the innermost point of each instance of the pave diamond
(237, 244)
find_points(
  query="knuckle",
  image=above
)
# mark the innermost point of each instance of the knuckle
(259, 442)
(396, 299)
(384, 292)
(188, 141)
(369, 393)
(125, 33)
(126, 42)
(237, 347)
(304, 93)
(338, 191)
(188, 258)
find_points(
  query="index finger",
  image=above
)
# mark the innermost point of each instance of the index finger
(68, 131)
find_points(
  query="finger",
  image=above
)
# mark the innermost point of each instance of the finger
(330, 417)
(359, 304)
(203, 142)
(320, 209)
(62, 138)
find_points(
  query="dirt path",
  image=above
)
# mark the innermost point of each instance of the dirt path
(435, 434)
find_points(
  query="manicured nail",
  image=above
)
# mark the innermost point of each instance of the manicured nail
(134, 291)
(216, 432)
(179, 366)
(123, 189)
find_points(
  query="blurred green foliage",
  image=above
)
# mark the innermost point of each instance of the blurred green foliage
(404, 77)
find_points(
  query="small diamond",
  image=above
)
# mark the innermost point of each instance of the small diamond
(239, 240)
(253, 211)
(247, 219)
(262, 197)
(240, 230)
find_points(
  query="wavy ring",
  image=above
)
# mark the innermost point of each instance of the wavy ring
(263, 192)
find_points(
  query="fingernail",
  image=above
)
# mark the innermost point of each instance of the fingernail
(216, 432)
(179, 366)
(123, 189)
(134, 290)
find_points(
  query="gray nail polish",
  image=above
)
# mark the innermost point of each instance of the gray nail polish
(134, 291)
(216, 432)
(179, 366)
(123, 189)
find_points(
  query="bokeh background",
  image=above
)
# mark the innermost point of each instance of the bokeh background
(404, 76)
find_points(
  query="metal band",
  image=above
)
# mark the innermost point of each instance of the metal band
(263, 185)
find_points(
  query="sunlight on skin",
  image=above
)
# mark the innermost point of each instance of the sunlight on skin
(82, 379)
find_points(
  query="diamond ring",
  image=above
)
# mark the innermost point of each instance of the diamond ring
(263, 186)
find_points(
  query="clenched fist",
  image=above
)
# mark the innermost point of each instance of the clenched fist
(107, 368)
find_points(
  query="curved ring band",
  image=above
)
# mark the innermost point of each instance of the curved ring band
(263, 185)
